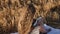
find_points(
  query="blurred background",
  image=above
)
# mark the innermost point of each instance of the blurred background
(10, 13)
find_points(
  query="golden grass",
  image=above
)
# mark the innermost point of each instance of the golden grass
(17, 15)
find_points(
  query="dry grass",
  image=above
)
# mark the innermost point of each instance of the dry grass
(18, 14)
